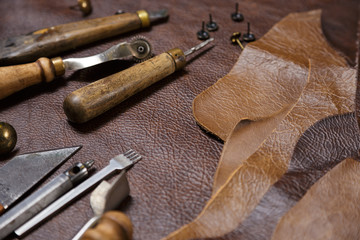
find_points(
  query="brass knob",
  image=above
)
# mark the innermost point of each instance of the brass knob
(8, 138)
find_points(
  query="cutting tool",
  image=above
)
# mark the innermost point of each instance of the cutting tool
(22, 172)
(118, 163)
(37, 201)
(94, 99)
(16, 78)
(54, 40)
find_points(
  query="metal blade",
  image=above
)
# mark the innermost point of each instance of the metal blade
(201, 45)
(24, 171)
(138, 48)
(156, 16)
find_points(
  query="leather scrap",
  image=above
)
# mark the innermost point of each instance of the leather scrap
(319, 149)
(269, 76)
(330, 209)
(261, 83)
(329, 91)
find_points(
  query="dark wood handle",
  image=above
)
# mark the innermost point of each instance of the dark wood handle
(54, 40)
(96, 98)
(16, 78)
(113, 225)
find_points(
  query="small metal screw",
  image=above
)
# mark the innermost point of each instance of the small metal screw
(236, 16)
(211, 26)
(140, 49)
(202, 34)
(248, 37)
(235, 38)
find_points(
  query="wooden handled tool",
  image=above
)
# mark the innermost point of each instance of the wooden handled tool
(96, 98)
(54, 40)
(16, 78)
(113, 225)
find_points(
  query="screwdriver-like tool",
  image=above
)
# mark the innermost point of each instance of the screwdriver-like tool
(120, 162)
(94, 99)
(37, 201)
(16, 78)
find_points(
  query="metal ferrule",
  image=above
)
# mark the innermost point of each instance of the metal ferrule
(59, 66)
(144, 17)
(178, 57)
(78, 172)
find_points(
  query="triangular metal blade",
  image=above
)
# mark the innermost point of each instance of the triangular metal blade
(24, 171)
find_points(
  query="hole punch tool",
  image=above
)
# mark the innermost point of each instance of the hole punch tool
(16, 78)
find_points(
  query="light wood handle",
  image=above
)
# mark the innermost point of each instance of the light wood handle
(113, 225)
(96, 98)
(16, 78)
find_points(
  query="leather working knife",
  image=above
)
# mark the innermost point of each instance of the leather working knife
(54, 40)
(22, 172)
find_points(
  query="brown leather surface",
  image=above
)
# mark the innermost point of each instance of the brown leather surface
(328, 210)
(320, 149)
(330, 90)
(171, 185)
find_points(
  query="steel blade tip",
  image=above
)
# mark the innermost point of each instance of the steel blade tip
(159, 15)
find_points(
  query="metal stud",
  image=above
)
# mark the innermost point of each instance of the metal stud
(211, 26)
(202, 34)
(235, 38)
(236, 16)
(248, 37)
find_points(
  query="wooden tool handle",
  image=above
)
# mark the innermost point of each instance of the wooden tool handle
(54, 40)
(96, 98)
(16, 78)
(113, 225)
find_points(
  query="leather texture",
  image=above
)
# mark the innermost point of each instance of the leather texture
(319, 149)
(328, 210)
(330, 90)
(173, 182)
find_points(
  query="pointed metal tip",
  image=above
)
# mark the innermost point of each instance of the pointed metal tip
(197, 47)
(89, 164)
(159, 15)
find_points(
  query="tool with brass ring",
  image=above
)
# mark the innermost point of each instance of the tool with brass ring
(96, 98)
(16, 78)
(52, 41)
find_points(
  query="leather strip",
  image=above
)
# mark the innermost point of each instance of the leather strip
(320, 148)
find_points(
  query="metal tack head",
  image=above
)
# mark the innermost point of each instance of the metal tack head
(236, 16)
(248, 37)
(202, 34)
(235, 39)
(211, 26)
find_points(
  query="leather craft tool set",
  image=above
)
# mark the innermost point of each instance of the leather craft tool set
(277, 114)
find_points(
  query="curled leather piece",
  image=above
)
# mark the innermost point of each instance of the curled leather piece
(269, 74)
(268, 77)
(329, 91)
(329, 210)
(320, 148)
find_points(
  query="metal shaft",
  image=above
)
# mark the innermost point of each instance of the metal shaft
(26, 209)
(117, 163)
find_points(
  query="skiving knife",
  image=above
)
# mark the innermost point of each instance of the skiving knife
(24, 171)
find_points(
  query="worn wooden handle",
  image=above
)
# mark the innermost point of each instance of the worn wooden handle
(54, 40)
(113, 225)
(96, 98)
(16, 78)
